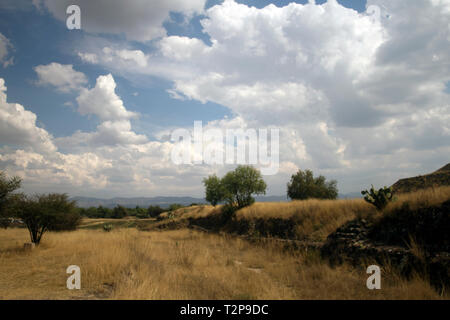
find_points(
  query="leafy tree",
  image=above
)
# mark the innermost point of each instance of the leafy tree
(67, 221)
(154, 211)
(90, 212)
(235, 188)
(103, 212)
(303, 186)
(7, 187)
(140, 212)
(41, 213)
(241, 184)
(214, 190)
(119, 212)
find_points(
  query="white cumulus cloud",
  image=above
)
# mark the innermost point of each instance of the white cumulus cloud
(63, 77)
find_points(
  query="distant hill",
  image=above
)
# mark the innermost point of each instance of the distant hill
(164, 202)
(440, 177)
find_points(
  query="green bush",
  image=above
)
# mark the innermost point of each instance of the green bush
(107, 227)
(379, 198)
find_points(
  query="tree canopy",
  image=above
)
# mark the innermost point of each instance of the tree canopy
(7, 187)
(303, 186)
(236, 188)
(214, 190)
(41, 213)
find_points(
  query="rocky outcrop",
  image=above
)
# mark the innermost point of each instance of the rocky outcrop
(438, 178)
(352, 244)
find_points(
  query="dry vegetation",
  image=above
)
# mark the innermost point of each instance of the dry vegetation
(185, 264)
(421, 199)
(313, 219)
(181, 264)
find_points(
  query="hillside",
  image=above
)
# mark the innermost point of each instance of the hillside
(440, 177)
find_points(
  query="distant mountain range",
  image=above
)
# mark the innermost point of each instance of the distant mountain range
(164, 202)
(143, 202)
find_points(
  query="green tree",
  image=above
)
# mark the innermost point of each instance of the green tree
(241, 184)
(214, 190)
(103, 212)
(7, 197)
(119, 212)
(7, 187)
(154, 211)
(41, 213)
(303, 186)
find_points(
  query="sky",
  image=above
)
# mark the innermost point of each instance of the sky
(359, 91)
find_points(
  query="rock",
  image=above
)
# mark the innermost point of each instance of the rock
(351, 243)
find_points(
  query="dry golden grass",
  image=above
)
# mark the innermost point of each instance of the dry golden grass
(181, 264)
(421, 198)
(314, 219)
(199, 211)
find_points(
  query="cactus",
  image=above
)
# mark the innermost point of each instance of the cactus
(107, 227)
(380, 198)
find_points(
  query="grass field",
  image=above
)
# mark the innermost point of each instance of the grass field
(181, 264)
(185, 264)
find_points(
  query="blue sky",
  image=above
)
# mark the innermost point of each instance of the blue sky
(339, 79)
(43, 39)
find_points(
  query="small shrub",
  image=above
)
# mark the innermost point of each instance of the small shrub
(227, 213)
(380, 198)
(107, 227)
